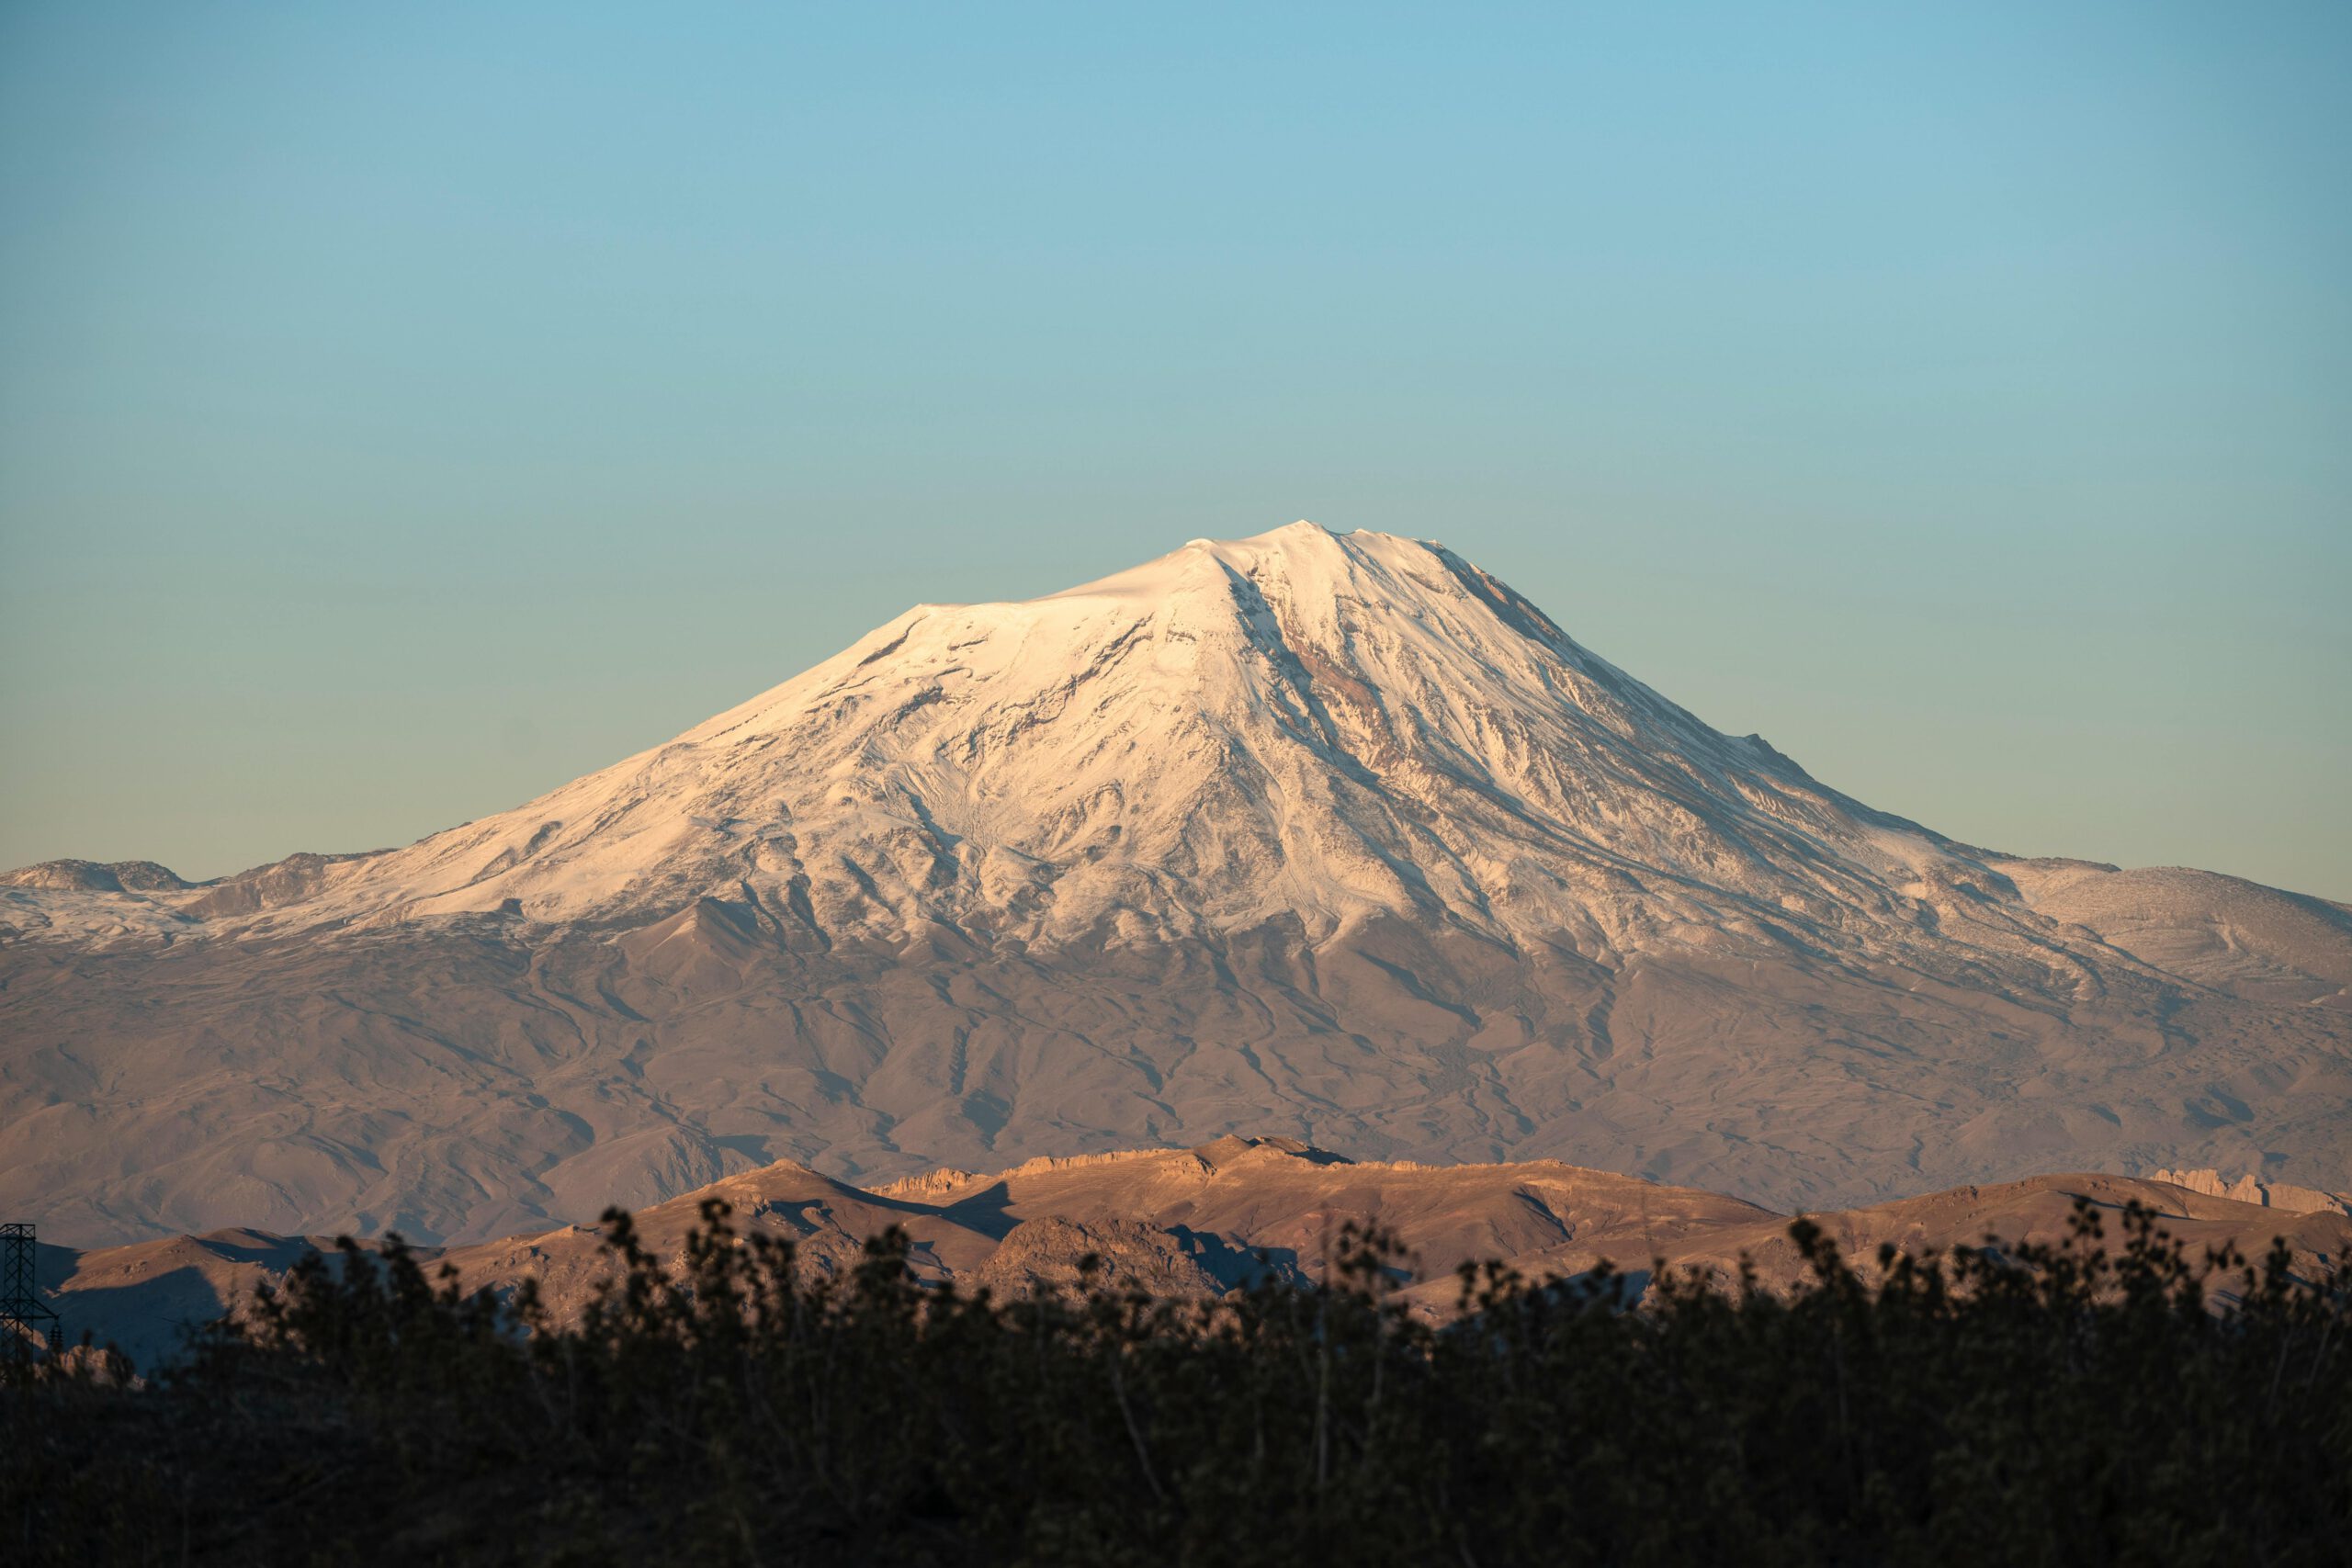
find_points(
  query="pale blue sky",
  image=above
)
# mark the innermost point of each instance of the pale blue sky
(404, 409)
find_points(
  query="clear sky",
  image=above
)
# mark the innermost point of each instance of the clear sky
(404, 409)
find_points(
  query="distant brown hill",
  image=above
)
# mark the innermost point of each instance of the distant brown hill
(1196, 1221)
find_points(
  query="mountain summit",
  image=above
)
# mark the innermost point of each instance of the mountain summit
(1301, 727)
(1333, 834)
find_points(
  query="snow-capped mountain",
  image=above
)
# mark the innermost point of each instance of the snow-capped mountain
(1299, 726)
(1313, 832)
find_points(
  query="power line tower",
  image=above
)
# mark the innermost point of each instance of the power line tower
(22, 1313)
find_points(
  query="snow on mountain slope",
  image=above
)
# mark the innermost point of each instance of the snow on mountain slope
(1300, 723)
(1330, 835)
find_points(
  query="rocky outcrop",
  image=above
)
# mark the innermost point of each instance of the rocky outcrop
(1051, 1256)
(2270, 1195)
(92, 876)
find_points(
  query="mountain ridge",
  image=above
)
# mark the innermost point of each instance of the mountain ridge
(1199, 1221)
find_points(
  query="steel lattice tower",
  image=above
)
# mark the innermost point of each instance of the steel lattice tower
(22, 1312)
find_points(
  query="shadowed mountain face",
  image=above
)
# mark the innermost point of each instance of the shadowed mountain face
(1331, 834)
(1198, 1222)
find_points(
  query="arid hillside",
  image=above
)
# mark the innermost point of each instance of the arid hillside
(1198, 1222)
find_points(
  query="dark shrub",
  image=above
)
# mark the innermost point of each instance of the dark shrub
(2036, 1404)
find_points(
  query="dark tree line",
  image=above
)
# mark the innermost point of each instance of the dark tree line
(2055, 1404)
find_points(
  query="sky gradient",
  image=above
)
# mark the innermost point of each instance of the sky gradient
(404, 410)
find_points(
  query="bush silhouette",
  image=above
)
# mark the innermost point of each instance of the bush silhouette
(2058, 1405)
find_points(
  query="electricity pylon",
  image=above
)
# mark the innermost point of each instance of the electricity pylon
(23, 1315)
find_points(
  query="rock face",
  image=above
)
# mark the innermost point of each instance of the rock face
(1331, 833)
(2247, 1189)
(1050, 1255)
(1195, 1223)
(89, 877)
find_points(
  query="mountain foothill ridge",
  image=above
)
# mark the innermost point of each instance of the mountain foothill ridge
(1333, 835)
(1198, 1224)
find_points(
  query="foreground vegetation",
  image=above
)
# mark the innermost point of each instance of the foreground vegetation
(2054, 1405)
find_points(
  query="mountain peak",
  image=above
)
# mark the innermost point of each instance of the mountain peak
(1303, 552)
(1299, 532)
(1306, 834)
(1300, 726)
